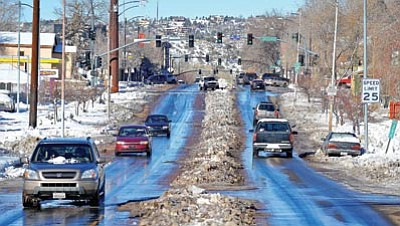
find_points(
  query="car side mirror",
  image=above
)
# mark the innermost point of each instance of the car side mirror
(295, 132)
(101, 160)
(251, 130)
(24, 160)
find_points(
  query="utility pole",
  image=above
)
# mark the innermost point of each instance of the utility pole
(35, 64)
(332, 98)
(114, 37)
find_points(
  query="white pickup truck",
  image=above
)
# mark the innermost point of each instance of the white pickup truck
(208, 82)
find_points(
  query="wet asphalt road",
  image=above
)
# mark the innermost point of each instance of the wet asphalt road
(291, 192)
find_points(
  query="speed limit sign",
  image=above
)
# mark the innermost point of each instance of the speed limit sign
(370, 90)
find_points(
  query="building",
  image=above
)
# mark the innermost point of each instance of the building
(49, 54)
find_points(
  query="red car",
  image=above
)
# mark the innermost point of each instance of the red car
(133, 139)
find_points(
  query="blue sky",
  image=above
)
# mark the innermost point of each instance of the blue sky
(187, 8)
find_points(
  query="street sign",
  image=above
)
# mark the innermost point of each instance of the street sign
(394, 110)
(370, 90)
(331, 90)
(297, 67)
(392, 129)
(268, 39)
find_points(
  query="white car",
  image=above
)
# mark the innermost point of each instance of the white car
(6, 102)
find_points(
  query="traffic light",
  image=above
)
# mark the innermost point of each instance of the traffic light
(249, 39)
(92, 34)
(191, 40)
(301, 59)
(230, 71)
(199, 71)
(207, 58)
(99, 62)
(239, 61)
(158, 40)
(186, 58)
(219, 37)
(295, 36)
(219, 61)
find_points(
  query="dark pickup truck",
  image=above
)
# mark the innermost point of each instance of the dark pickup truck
(273, 135)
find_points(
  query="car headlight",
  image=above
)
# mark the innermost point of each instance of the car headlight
(165, 127)
(144, 142)
(89, 174)
(31, 174)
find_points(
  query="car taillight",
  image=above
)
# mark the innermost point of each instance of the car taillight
(291, 138)
(330, 145)
(356, 147)
(254, 137)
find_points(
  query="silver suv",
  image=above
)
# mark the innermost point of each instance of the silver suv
(265, 109)
(64, 168)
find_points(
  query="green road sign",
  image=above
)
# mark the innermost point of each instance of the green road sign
(268, 38)
(297, 66)
(392, 129)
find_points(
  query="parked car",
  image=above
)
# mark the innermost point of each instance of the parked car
(273, 135)
(276, 81)
(181, 81)
(197, 79)
(64, 168)
(133, 139)
(341, 143)
(208, 82)
(257, 84)
(156, 79)
(248, 77)
(6, 101)
(158, 124)
(265, 109)
(270, 75)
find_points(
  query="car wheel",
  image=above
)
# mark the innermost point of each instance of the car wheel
(148, 152)
(168, 135)
(27, 201)
(289, 154)
(117, 154)
(98, 198)
(255, 152)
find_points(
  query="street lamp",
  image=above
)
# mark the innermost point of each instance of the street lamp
(19, 49)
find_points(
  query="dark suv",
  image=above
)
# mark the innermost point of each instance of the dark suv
(64, 168)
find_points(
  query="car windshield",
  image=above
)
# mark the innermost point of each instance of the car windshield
(267, 107)
(156, 119)
(62, 154)
(132, 132)
(209, 79)
(274, 127)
